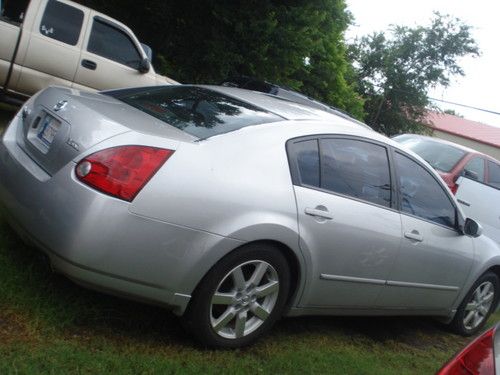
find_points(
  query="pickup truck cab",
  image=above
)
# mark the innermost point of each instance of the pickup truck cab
(60, 42)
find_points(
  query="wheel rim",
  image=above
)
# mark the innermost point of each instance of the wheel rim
(244, 299)
(478, 307)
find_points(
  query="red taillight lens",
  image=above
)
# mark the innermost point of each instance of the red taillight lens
(476, 359)
(121, 171)
(454, 188)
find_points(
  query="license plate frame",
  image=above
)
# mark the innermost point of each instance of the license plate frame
(49, 129)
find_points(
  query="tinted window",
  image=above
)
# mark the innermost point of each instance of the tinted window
(111, 43)
(439, 155)
(13, 10)
(494, 175)
(62, 22)
(357, 169)
(306, 155)
(474, 169)
(421, 194)
(196, 110)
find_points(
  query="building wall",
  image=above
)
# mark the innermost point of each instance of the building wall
(485, 149)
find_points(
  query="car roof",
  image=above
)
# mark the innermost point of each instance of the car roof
(441, 141)
(283, 107)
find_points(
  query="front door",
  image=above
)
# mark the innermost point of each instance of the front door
(435, 258)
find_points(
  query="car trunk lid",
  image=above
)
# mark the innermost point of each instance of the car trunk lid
(59, 124)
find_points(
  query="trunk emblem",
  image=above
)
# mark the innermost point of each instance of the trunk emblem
(73, 144)
(60, 105)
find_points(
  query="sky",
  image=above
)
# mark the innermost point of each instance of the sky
(481, 83)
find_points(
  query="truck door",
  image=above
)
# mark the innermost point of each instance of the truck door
(111, 57)
(52, 46)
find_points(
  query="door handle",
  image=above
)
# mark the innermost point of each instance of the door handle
(89, 64)
(320, 212)
(465, 203)
(414, 235)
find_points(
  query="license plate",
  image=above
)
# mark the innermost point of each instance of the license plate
(49, 129)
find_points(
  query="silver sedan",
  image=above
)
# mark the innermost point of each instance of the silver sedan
(234, 208)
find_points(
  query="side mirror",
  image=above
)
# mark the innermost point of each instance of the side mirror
(144, 66)
(472, 228)
(470, 174)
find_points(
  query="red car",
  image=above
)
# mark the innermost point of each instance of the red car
(452, 160)
(480, 357)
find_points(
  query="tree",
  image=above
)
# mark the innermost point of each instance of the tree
(296, 43)
(395, 72)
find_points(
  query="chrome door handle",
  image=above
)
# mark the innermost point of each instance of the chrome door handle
(414, 235)
(465, 203)
(320, 212)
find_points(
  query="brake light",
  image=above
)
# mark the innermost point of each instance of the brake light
(121, 171)
(476, 359)
(454, 188)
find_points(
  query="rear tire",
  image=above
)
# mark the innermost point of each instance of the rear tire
(240, 298)
(477, 305)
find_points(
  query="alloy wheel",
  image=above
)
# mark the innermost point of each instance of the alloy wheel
(244, 299)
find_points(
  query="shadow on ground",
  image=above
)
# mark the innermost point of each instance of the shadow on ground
(81, 314)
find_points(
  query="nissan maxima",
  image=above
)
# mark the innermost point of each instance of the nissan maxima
(234, 208)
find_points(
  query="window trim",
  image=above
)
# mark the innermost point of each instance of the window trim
(119, 28)
(438, 180)
(294, 171)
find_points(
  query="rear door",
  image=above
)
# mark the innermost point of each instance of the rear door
(54, 45)
(111, 57)
(346, 219)
(435, 258)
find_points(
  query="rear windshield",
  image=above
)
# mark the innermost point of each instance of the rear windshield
(440, 156)
(198, 111)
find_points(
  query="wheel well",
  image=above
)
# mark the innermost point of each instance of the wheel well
(292, 261)
(496, 271)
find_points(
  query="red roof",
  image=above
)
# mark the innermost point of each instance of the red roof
(464, 128)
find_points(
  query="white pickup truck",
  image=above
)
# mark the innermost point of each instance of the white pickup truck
(59, 42)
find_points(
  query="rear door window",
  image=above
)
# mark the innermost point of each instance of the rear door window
(356, 169)
(494, 174)
(62, 22)
(305, 155)
(114, 44)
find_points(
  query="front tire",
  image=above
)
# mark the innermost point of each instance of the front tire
(240, 298)
(477, 305)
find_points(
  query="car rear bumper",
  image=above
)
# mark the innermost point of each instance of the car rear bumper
(94, 239)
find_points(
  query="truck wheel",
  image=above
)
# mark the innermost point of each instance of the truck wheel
(477, 305)
(240, 298)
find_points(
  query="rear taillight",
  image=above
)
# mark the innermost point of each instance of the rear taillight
(454, 188)
(121, 171)
(476, 359)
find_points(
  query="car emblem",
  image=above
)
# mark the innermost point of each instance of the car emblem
(60, 105)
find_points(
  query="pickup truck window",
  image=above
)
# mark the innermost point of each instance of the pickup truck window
(62, 22)
(13, 11)
(111, 43)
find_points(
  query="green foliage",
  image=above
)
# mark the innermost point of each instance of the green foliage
(395, 72)
(296, 43)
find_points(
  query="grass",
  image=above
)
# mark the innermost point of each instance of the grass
(48, 325)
